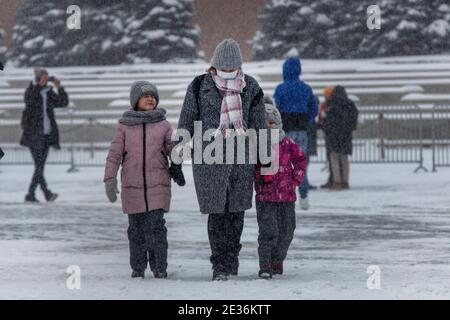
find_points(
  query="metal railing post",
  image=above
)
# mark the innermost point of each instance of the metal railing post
(421, 166)
(381, 134)
(72, 168)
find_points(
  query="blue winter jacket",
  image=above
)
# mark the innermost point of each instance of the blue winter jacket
(294, 98)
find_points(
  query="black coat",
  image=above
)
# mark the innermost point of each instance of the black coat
(33, 115)
(341, 120)
(213, 181)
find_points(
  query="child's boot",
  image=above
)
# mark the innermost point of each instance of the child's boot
(160, 275)
(278, 267)
(265, 272)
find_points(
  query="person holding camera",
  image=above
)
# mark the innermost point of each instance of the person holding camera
(40, 131)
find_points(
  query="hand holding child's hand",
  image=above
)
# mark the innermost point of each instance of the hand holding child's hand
(177, 174)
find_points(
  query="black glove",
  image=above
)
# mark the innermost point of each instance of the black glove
(177, 174)
(175, 171)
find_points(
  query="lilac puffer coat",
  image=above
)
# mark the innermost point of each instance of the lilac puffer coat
(142, 151)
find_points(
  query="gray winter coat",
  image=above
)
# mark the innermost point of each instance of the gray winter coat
(214, 181)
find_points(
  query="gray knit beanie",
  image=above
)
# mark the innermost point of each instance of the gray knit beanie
(141, 88)
(227, 55)
(272, 114)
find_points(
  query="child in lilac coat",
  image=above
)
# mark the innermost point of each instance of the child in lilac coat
(141, 146)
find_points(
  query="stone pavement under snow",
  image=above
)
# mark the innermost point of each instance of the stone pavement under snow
(391, 218)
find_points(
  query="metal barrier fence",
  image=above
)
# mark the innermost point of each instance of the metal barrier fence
(82, 143)
(441, 136)
(385, 134)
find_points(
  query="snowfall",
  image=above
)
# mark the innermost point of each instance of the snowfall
(393, 221)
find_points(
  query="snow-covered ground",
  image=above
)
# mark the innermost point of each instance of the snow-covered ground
(392, 218)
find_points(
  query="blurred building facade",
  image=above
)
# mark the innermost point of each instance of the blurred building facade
(217, 20)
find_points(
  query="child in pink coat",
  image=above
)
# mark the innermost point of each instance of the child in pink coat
(141, 146)
(276, 197)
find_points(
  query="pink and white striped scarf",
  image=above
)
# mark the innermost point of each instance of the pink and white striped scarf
(231, 108)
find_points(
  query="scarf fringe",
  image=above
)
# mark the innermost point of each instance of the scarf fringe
(226, 132)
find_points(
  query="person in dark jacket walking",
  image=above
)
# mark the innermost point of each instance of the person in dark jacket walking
(222, 99)
(40, 131)
(275, 199)
(298, 107)
(341, 120)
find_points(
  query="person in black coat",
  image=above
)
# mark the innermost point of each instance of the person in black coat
(312, 141)
(338, 125)
(40, 131)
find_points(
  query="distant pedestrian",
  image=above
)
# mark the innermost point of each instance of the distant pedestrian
(298, 107)
(341, 120)
(40, 131)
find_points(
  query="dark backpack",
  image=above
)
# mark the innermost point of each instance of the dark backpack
(196, 87)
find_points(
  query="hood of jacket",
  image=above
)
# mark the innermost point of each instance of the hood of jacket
(292, 69)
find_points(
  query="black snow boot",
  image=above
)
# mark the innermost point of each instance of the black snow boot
(50, 197)
(266, 272)
(138, 274)
(220, 276)
(31, 198)
(160, 275)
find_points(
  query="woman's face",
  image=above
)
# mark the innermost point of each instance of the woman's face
(227, 74)
(147, 103)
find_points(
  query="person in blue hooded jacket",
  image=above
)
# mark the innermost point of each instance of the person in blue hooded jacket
(298, 107)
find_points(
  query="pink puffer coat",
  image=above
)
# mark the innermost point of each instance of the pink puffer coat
(142, 151)
(280, 186)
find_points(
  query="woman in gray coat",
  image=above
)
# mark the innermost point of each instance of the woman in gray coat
(224, 98)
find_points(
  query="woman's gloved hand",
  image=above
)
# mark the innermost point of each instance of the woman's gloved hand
(177, 174)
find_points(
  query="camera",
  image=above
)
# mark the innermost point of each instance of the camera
(51, 79)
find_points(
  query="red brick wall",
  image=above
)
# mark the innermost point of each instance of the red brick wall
(218, 19)
(8, 9)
